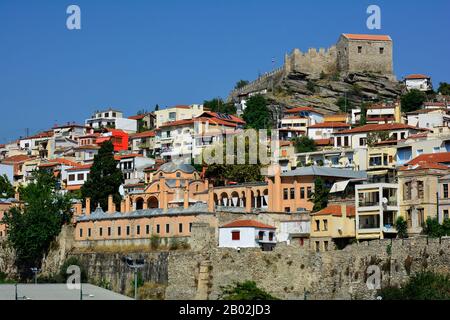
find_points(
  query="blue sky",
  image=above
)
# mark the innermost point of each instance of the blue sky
(134, 54)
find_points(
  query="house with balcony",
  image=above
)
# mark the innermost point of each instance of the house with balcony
(111, 119)
(311, 115)
(377, 209)
(429, 118)
(37, 145)
(325, 130)
(133, 167)
(381, 158)
(247, 234)
(444, 198)
(177, 113)
(379, 113)
(334, 158)
(77, 176)
(145, 121)
(143, 143)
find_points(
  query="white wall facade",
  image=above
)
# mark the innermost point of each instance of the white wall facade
(248, 237)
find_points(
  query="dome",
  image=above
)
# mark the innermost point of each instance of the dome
(170, 167)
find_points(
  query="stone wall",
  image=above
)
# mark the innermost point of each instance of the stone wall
(288, 272)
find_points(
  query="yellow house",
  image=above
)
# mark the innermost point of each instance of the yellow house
(177, 113)
(334, 225)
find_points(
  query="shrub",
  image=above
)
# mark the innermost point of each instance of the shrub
(247, 290)
(174, 244)
(433, 229)
(402, 228)
(422, 286)
(155, 242)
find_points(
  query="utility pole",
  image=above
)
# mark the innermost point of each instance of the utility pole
(134, 264)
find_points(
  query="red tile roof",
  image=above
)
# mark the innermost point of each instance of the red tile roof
(423, 166)
(330, 125)
(145, 134)
(303, 108)
(16, 159)
(417, 76)
(200, 119)
(81, 167)
(126, 156)
(371, 37)
(54, 162)
(381, 127)
(247, 224)
(443, 157)
(336, 210)
(231, 118)
(45, 134)
(137, 117)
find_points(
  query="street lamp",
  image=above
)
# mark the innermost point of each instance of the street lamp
(135, 265)
(35, 272)
(84, 294)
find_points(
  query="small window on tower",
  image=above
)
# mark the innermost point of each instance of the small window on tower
(381, 50)
(359, 49)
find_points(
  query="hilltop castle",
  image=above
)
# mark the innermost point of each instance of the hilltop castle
(352, 53)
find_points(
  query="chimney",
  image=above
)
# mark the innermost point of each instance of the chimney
(78, 209)
(186, 198)
(344, 210)
(206, 184)
(111, 205)
(88, 206)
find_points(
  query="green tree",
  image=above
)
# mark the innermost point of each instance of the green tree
(240, 84)
(444, 88)
(413, 100)
(402, 228)
(422, 286)
(374, 137)
(363, 116)
(33, 227)
(311, 86)
(218, 105)
(104, 179)
(257, 114)
(247, 291)
(344, 104)
(434, 229)
(6, 188)
(320, 195)
(304, 144)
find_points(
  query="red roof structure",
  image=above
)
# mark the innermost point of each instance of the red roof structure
(247, 224)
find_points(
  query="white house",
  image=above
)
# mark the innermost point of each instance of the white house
(247, 234)
(419, 82)
(132, 167)
(112, 119)
(311, 114)
(325, 130)
(428, 118)
(77, 176)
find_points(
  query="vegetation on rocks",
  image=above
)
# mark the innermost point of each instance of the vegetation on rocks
(247, 290)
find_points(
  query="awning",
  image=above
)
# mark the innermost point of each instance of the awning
(339, 186)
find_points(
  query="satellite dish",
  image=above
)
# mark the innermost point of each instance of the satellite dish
(121, 190)
(385, 201)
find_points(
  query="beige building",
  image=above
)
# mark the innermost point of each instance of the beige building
(176, 113)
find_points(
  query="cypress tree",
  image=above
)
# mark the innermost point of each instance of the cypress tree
(104, 179)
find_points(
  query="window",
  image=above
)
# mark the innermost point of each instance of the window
(80, 176)
(287, 209)
(362, 142)
(446, 191)
(270, 236)
(436, 149)
(302, 193)
(119, 231)
(407, 191)
(309, 190)
(338, 141)
(292, 193)
(180, 228)
(128, 230)
(109, 231)
(261, 235)
(71, 177)
(346, 144)
(138, 230)
(89, 232)
(419, 152)
(359, 49)
(167, 228)
(147, 229)
(420, 189)
(325, 225)
(190, 227)
(158, 229)
(325, 245)
(317, 225)
(317, 246)
(235, 235)
(100, 232)
(445, 214)
(421, 217)
(81, 232)
(381, 50)
(285, 194)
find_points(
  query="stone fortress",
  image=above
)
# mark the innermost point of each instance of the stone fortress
(353, 53)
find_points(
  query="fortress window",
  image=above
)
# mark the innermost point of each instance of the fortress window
(359, 49)
(381, 50)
